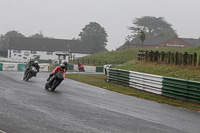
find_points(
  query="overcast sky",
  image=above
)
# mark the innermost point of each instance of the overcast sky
(65, 19)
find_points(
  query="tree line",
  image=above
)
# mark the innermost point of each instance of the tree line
(4, 38)
(95, 36)
(149, 26)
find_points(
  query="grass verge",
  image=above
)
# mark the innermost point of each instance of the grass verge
(100, 81)
(158, 68)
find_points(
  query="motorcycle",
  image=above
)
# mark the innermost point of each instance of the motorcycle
(30, 73)
(54, 81)
(81, 68)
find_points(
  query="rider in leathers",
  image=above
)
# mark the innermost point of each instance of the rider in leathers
(61, 67)
(31, 63)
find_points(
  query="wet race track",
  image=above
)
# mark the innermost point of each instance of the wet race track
(26, 107)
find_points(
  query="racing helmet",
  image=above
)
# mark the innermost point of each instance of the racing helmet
(65, 63)
(36, 62)
(62, 66)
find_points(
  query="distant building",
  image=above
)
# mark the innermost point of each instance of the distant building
(161, 42)
(45, 49)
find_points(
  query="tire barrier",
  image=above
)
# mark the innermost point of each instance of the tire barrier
(146, 82)
(119, 76)
(166, 86)
(181, 89)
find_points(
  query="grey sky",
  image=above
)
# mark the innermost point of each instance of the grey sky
(64, 19)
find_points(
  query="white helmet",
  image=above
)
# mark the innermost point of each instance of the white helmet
(62, 66)
(36, 62)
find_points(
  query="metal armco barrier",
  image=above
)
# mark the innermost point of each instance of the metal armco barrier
(181, 89)
(118, 76)
(146, 82)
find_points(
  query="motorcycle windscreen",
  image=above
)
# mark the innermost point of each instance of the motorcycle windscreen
(33, 69)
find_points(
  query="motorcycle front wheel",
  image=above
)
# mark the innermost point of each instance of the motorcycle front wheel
(28, 76)
(47, 86)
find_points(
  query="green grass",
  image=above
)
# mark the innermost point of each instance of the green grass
(131, 54)
(156, 68)
(100, 81)
(117, 56)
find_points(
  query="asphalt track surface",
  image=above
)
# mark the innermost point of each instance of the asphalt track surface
(74, 107)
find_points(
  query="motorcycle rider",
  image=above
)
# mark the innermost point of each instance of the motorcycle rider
(61, 67)
(79, 64)
(29, 64)
(81, 67)
(66, 65)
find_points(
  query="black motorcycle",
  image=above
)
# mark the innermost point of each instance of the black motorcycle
(30, 73)
(54, 81)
